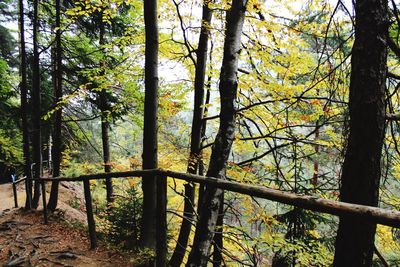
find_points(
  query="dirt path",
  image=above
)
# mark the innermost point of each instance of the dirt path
(6, 197)
(26, 241)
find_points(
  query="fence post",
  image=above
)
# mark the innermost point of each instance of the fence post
(15, 195)
(14, 190)
(44, 201)
(28, 189)
(161, 247)
(89, 213)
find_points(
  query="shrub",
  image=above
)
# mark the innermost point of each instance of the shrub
(124, 219)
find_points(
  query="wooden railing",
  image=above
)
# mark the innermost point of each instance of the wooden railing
(15, 191)
(372, 214)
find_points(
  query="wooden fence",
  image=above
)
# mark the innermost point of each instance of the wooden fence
(372, 214)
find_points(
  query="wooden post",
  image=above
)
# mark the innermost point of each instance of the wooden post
(44, 201)
(161, 223)
(14, 185)
(28, 189)
(89, 213)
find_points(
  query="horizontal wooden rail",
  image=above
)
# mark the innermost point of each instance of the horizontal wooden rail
(20, 180)
(373, 214)
(100, 176)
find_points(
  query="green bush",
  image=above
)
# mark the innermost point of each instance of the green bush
(124, 218)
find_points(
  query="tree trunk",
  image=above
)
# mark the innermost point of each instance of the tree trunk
(361, 168)
(24, 108)
(218, 237)
(203, 134)
(223, 142)
(57, 142)
(105, 125)
(36, 113)
(149, 184)
(196, 137)
(314, 180)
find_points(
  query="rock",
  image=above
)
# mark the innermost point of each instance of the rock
(66, 255)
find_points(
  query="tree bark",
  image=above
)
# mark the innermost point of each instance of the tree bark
(223, 142)
(314, 180)
(36, 103)
(361, 168)
(149, 184)
(196, 137)
(105, 125)
(203, 134)
(57, 139)
(24, 108)
(218, 237)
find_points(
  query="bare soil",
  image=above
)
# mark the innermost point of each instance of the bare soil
(26, 241)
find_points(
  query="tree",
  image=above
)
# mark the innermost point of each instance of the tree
(106, 26)
(58, 93)
(223, 141)
(24, 106)
(11, 155)
(362, 165)
(36, 114)
(105, 125)
(149, 184)
(196, 135)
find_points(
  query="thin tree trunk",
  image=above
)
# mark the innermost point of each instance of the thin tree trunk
(105, 137)
(57, 142)
(149, 184)
(24, 108)
(223, 142)
(105, 125)
(36, 113)
(203, 134)
(196, 137)
(314, 180)
(218, 237)
(361, 168)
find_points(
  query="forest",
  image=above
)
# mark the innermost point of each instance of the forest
(300, 97)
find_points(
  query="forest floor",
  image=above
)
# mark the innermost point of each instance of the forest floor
(26, 241)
